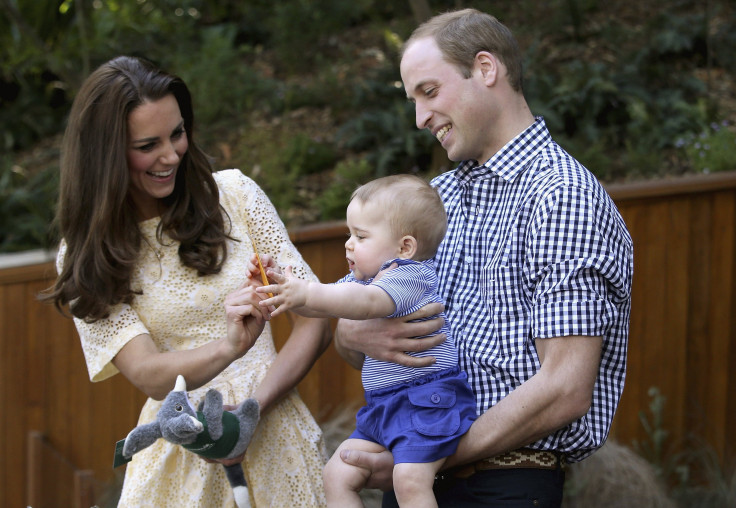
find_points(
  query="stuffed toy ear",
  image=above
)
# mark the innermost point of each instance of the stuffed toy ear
(141, 437)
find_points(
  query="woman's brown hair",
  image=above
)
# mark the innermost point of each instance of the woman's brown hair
(95, 216)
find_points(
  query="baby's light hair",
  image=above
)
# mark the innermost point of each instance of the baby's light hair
(411, 206)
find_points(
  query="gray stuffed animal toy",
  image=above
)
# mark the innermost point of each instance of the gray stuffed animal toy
(211, 432)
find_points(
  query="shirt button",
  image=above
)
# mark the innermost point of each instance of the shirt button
(435, 398)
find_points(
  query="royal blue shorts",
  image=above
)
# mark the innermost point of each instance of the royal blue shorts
(421, 420)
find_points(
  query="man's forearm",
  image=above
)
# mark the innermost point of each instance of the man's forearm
(353, 357)
(558, 394)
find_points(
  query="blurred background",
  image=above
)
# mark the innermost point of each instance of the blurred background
(305, 97)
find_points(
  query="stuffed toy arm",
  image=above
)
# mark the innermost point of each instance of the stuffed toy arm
(141, 437)
(212, 411)
(223, 434)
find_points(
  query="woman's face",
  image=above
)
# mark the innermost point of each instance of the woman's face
(157, 142)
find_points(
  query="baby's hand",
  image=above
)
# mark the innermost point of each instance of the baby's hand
(289, 292)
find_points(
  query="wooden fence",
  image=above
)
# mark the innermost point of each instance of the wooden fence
(58, 430)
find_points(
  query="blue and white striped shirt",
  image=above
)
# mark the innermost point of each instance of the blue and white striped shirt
(535, 248)
(411, 285)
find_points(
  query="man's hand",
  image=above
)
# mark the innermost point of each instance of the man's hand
(380, 465)
(390, 339)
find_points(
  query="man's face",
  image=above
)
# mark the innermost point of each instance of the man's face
(448, 104)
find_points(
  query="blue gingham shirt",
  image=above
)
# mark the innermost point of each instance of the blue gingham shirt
(535, 249)
(411, 285)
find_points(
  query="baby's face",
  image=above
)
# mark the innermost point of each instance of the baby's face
(371, 241)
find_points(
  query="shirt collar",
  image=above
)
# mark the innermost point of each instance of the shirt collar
(510, 160)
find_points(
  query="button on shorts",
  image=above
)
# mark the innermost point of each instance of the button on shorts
(421, 420)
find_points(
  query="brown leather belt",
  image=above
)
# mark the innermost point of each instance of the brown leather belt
(515, 459)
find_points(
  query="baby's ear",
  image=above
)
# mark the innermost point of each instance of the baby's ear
(407, 247)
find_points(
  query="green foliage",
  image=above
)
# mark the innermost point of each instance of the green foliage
(384, 129)
(282, 168)
(51, 46)
(697, 477)
(653, 449)
(617, 95)
(26, 204)
(389, 138)
(640, 99)
(220, 87)
(301, 29)
(348, 175)
(711, 150)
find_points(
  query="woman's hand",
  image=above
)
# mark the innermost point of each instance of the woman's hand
(154, 372)
(390, 339)
(253, 271)
(234, 460)
(245, 318)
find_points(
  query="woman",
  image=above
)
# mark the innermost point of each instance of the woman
(153, 246)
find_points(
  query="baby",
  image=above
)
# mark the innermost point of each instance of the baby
(396, 224)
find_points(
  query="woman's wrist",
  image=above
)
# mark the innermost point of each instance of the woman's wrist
(228, 352)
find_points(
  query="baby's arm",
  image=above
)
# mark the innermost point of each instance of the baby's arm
(349, 300)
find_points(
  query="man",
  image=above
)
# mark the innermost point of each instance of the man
(535, 269)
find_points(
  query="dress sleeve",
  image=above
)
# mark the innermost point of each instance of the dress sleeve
(246, 202)
(103, 339)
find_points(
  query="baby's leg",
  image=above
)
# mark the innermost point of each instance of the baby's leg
(413, 483)
(342, 481)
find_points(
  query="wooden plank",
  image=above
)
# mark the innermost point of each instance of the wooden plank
(34, 468)
(5, 387)
(699, 329)
(720, 314)
(22, 274)
(730, 423)
(671, 343)
(669, 187)
(624, 427)
(37, 336)
(652, 246)
(84, 489)
(14, 332)
(49, 476)
(61, 364)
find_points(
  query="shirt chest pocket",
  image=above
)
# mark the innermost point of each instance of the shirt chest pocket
(500, 279)
(507, 302)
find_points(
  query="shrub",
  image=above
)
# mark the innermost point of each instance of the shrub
(711, 150)
(287, 160)
(348, 175)
(222, 85)
(26, 207)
